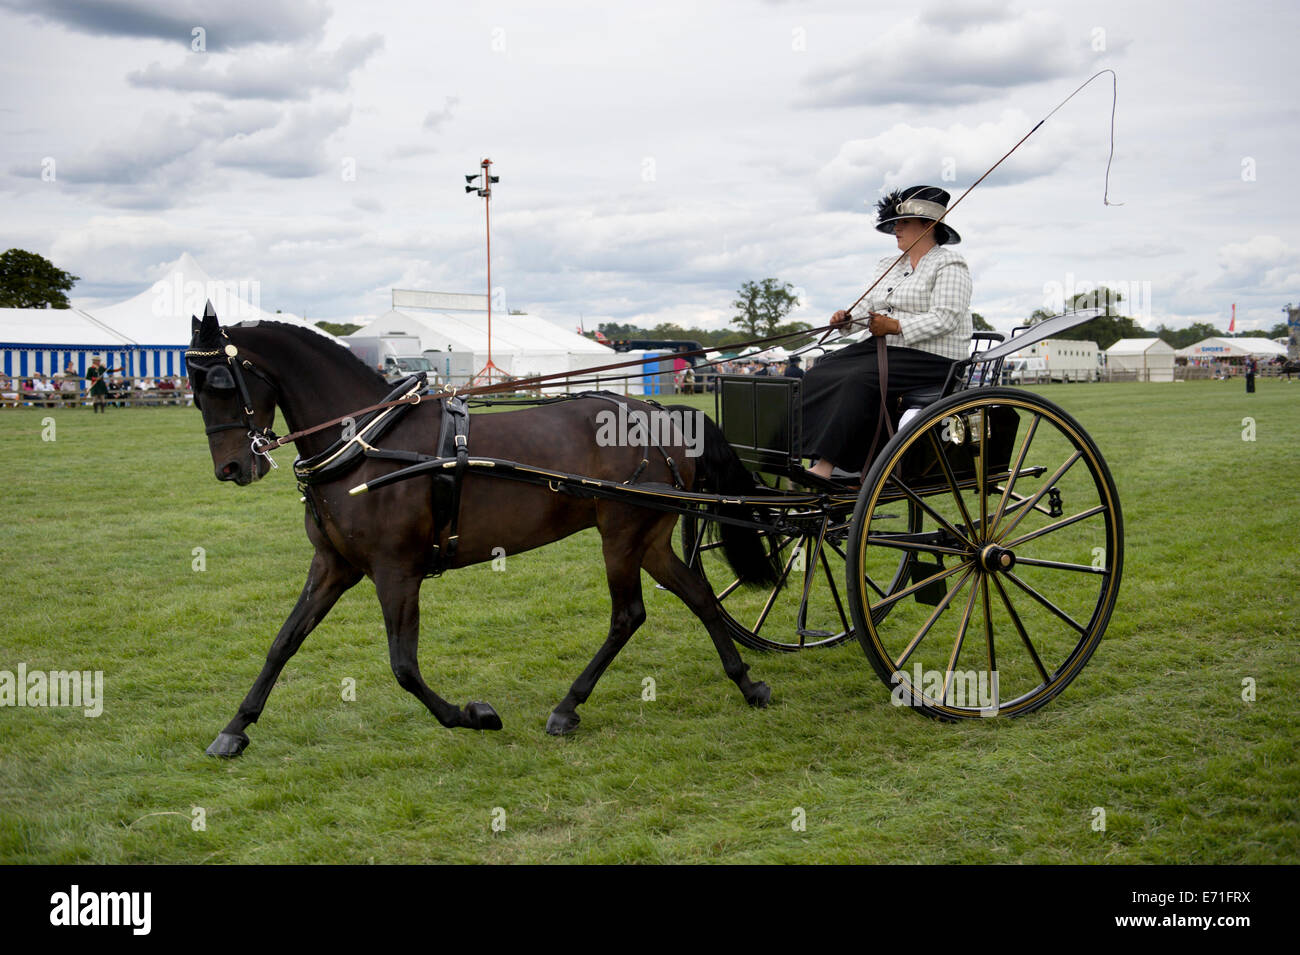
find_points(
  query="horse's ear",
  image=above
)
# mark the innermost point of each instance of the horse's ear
(194, 328)
(209, 329)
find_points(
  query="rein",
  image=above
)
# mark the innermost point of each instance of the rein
(414, 399)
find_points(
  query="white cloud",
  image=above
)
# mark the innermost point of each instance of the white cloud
(226, 24)
(292, 74)
(1265, 263)
(947, 56)
(906, 155)
(293, 148)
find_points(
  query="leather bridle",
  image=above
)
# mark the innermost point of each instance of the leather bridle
(261, 440)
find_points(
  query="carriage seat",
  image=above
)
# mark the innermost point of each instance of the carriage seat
(918, 398)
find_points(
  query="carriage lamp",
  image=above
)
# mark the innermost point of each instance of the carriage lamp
(954, 429)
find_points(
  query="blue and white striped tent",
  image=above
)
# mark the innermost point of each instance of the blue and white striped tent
(45, 340)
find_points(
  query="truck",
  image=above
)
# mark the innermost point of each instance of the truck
(450, 367)
(393, 356)
(1064, 359)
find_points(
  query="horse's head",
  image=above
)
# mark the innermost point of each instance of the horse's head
(237, 402)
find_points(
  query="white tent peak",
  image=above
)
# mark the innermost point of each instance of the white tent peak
(160, 315)
(1134, 346)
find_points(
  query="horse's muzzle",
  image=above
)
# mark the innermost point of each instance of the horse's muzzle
(242, 473)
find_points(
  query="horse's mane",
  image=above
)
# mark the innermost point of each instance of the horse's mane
(315, 340)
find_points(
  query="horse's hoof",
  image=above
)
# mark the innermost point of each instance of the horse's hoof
(558, 724)
(482, 717)
(228, 744)
(760, 695)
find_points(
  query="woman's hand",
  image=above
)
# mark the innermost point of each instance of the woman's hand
(883, 324)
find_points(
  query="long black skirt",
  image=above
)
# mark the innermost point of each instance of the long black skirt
(841, 398)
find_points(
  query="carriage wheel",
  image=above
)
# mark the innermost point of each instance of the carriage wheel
(808, 606)
(1016, 558)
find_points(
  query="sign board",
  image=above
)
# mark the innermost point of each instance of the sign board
(441, 301)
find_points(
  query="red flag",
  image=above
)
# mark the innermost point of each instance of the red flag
(1232, 325)
(600, 337)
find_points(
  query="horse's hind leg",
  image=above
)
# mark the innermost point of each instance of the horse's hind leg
(329, 577)
(626, 614)
(666, 568)
(399, 595)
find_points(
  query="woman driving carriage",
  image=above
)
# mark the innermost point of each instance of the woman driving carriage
(921, 306)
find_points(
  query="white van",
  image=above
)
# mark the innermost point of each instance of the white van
(1018, 371)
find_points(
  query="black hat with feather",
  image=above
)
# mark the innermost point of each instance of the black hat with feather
(916, 202)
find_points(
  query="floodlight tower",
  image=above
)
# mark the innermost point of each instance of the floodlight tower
(485, 190)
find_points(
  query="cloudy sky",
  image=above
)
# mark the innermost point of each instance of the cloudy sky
(652, 156)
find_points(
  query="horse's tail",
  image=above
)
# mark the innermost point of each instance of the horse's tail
(719, 471)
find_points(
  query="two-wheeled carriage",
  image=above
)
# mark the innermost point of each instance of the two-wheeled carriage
(977, 565)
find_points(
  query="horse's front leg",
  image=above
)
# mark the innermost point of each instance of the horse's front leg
(399, 595)
(327, 580)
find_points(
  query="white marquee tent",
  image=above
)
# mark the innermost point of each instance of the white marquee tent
(1151, 358)
(146, 335)
(1220, 349)
(522, 345)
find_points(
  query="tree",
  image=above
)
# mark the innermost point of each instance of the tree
(28, 280)
(1103, 297)
(1182, 337)
(762, 306)
(338, 328)
(980, 324)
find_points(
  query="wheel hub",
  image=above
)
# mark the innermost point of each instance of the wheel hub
(993, 558)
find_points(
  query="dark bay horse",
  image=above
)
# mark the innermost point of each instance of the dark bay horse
(388, 534)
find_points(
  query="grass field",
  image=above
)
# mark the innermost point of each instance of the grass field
(98, 559)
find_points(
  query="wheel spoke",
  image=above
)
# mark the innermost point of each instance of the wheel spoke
(729, 589)
(982, 475)
(776, 590)
(949, 476)
(1015, 470)
(1046, 603)
(835, 592)
(1059, 565)
(1074, 519)
(938, 610)
(809, 574)
(1020, 629)
(908, 591)
(920, 502)
(1048, 484)
(1021, 503)
(902, 543)
(956, 647)
(988, 639)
